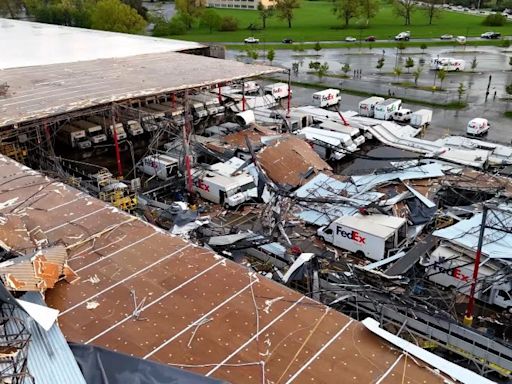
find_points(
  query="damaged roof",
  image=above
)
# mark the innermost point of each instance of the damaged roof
(254, 134)
(48, 90)
(291, 161)
(153, 295)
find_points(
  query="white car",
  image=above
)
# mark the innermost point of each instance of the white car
(350, 39)
(478, 127)
(251, 40)
(403, 36)
(446, 37)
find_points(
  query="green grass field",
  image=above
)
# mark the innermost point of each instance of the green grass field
(314, 21)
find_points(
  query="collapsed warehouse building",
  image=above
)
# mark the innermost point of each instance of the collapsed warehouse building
(178, 134)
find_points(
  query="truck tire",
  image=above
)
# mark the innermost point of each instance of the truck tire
(360, 255)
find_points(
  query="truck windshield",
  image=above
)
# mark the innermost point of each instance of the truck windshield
(246, 187)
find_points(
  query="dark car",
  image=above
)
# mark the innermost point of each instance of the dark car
(370, 38)
(287, 41)
(490, 35)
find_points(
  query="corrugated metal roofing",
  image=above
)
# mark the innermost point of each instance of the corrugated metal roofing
(497, 244)
(50, 360)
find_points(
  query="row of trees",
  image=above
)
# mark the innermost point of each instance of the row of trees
(283, 9)
(112, 15)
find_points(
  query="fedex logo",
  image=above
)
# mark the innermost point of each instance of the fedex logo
(352, 235)
(330, 96)
(202, 185)
(457, 273)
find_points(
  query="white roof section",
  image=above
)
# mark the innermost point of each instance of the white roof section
(26, 43)
(381, 226)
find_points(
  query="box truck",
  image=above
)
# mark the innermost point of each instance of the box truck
(228, 190)
(447, 64)
(367, 106)
(106, 123)
(384, 110)
(478, 127)
(326, 98)
(278, 90)
(421, 118)
(162, 166)
(453, 269)
(94, 131)
(75, 137)
(372, 236)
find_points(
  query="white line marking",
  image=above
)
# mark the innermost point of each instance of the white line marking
(115, 252)
(389, 369)
(193, 324)
(76, 219)
(155, 301)
(255, 335)
(304, 366)
(63, 204)
(125, 279)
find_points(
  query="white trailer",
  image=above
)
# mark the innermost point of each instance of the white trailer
(373, 236)
(421, 118)
(367, 106)
(384, 110)
(221, 184)
(74, 136)
(94, 131)
(210, 102)
(448, 64)
(326, 98)
(106, 123)
(278, 90)
(133, 128)
(453, 269)
(162, 166)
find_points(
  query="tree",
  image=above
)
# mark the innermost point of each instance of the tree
(317, 47)
(271, 54)
(474, 63)
(405, 9)
(417, 73)
(252, 54)
(11, 8)
(441, 74)
(495, 20)
(508, 89)
(423, 46)
(113, 15)
(380, 63)
(433, 10)
(510, 61)
(345, 68)
(322, 70)
(285, 9)
(211, 19)
(175, 26)
(369, 9)
(409, 63)
(397, 71)
(265, 13)
(461, 90)
(401, 46)
(314, 65)
(228, 23)
(189, 10)
(346, 10)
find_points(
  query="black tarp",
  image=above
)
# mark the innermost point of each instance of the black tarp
(419, 212)
(102, 366)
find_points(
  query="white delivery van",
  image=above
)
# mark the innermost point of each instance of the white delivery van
(402, 115)
(225, 190)
(421, 118)
(374, 236)
(326, 98)
(94, 131)
(367, 106)
(133, 128)
(453, 269)
(478, 127)
(448, 64)
(106, 123)
(278, 90)
(162, 166)
(75, 137)
(384, 110)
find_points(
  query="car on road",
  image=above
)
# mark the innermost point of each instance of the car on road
(461, 39)
(446, 37)
(287, 41)
(490, 35)
(370, 38)
(350, 39)
(251, 40)
(403, 36)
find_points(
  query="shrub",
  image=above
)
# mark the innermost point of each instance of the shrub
(505, 43)
(495, 20)
(175, 26)
(228, 23)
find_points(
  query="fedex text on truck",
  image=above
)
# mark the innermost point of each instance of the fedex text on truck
(352, 235)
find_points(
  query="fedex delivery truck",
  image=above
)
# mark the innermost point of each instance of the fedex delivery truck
(384, 110)
(326, 98)
(278, 90)
(367, 106)
(453, 269)
(161, 166)
(373, 236)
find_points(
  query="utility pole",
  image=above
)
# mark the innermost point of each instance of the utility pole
(468, 317)
(289, 92)
(116, 143)
(186, 147)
